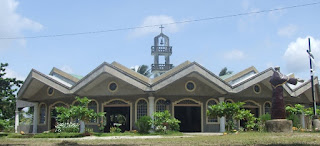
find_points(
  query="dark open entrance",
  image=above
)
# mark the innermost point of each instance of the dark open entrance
(53, 119)
(254, 111)
(119, 115)
(190, 117)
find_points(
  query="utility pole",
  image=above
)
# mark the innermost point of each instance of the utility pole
(312, 86)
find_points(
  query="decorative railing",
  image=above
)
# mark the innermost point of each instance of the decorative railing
(161, 49)
(161, 67)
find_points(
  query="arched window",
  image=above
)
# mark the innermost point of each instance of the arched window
(267, 108)
(42, 117)
(229, 101)
(210, 103)
(161, 105)
(93, 105)
(142, 108)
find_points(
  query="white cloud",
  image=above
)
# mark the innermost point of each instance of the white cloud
(155, 20)
(296, 57)
(234, 55)
(288, 31)
(67, 69)
(13, 74)
(12, 24)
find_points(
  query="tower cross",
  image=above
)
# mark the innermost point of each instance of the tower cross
(161, 27)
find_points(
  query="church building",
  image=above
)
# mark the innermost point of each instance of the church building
(185, 90)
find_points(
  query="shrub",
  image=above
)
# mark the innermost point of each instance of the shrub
(115, 129)
(295, 120)
(67, 127)
(163, 122)
(144, 124)
(161, 128)
(174, 124)
(262, 122)
(6, 126)
(58, 135)
(264, 118)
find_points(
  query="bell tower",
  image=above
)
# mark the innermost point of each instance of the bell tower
(161, 48)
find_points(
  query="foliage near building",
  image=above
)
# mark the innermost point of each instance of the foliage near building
(232, 111)
(8, 88)
(298, 109)
(163, 121)
(80, 112)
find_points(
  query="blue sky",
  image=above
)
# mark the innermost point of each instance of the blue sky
(261, 40)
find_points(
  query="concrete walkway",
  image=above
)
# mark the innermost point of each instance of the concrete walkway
(143, 137)
(202, 134)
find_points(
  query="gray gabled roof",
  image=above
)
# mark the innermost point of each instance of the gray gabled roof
(147, 84)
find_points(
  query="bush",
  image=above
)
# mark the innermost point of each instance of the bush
(115, 129)
(144, 124)
(295, 120)
(58, 135)
(6, 126)
(174, 124)
(262, 122)
(163, 122)
(67, 127)
(264, 118)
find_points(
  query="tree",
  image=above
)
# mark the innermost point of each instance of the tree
(231, 111)
(144, 70)
(224, 71)
(8, 88)
(80, 112)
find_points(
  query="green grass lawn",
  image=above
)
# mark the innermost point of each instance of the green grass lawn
(247, 138)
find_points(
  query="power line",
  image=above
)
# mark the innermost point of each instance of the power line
(157, 25)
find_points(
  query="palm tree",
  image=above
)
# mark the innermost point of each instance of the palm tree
(224, 71)
(143, 69)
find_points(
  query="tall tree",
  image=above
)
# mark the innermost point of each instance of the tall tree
(8, 88)
(224, 71)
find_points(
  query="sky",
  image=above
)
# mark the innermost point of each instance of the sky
(263, 40)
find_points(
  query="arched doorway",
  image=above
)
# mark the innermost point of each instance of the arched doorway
(189, 112)
(118, 112)
(53, 113)
(253, 107)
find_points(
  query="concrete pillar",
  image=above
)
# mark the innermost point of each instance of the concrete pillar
(303, 123)
(16, 123)
(35, 118)
(222, 119)
(82, 126)
(151, 106)
(167, 59)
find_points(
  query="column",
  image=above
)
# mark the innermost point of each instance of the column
(151, 106)
(303, 123)
(35, 118)
(222, 119)
(16, 123)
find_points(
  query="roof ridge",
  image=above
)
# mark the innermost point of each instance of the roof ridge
(64, 74)
(131, 72)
